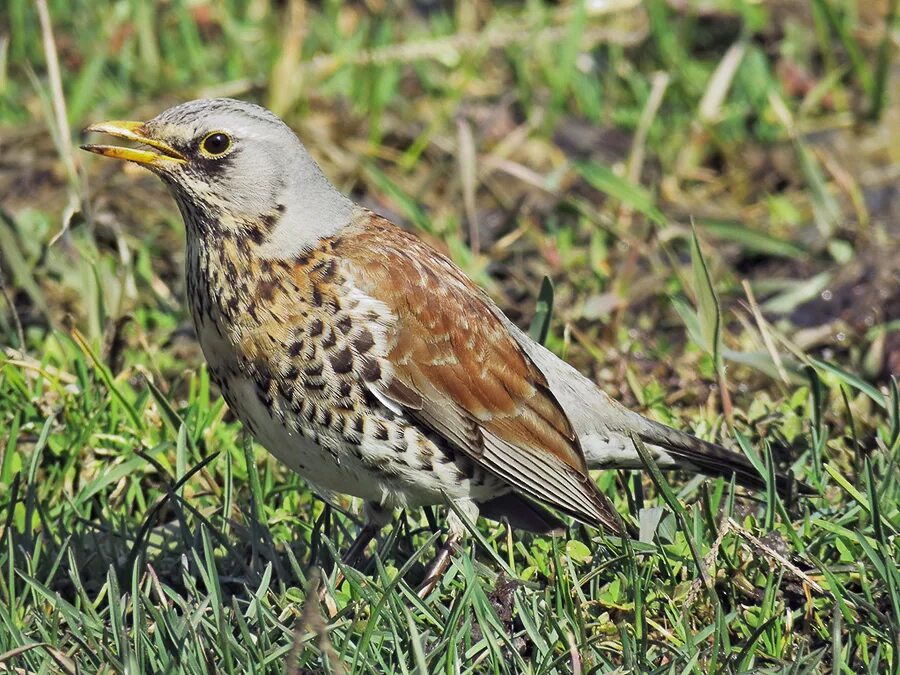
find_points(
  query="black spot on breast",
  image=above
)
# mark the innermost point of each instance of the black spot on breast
(363, 341)
(371, 370)
(344, 389)
(329, 340)
(295, 348)
(342, 362)
(292, 373)
(314, 370)
(344, 324)
(269, 220)
(325, 269)
(256, 234)
(262, 391)
(316, 296)
(286, 389)
(308, 410)
(381, 431)
(315, 327)
(265, 289)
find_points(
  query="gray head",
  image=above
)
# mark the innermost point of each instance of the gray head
(235, 167)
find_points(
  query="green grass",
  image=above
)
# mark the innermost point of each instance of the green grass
(142, 531)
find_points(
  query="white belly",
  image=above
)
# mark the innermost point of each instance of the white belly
(301, 454)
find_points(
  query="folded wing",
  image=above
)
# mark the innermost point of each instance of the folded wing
(457, 369)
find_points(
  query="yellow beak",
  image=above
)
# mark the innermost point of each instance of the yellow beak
(134, 131)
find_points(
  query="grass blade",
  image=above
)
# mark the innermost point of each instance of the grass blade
(543, 313)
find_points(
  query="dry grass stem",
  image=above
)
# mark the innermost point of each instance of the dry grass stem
(763, 327)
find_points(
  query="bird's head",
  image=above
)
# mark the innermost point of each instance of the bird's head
(235, 166)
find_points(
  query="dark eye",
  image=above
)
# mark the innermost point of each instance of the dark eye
(216, 144)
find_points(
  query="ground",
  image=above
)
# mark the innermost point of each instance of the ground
(698, 203)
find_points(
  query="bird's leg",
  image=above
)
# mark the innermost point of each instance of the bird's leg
(376, 516)
(355, 554)
(441, 561)
(438, 566)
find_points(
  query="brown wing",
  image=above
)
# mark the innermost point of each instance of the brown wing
(456, 368)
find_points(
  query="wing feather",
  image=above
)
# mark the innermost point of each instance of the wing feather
(454, 365)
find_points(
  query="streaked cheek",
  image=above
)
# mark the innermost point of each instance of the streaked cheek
(215, 170)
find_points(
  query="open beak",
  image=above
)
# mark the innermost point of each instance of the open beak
(134, 131)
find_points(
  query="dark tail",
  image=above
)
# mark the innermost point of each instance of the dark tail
(714, 460)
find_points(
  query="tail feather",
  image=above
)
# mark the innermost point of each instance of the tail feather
(604, 428)
(714, 460)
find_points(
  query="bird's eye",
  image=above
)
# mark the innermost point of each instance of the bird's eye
(215, 144)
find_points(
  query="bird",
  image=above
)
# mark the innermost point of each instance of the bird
(367, 361)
